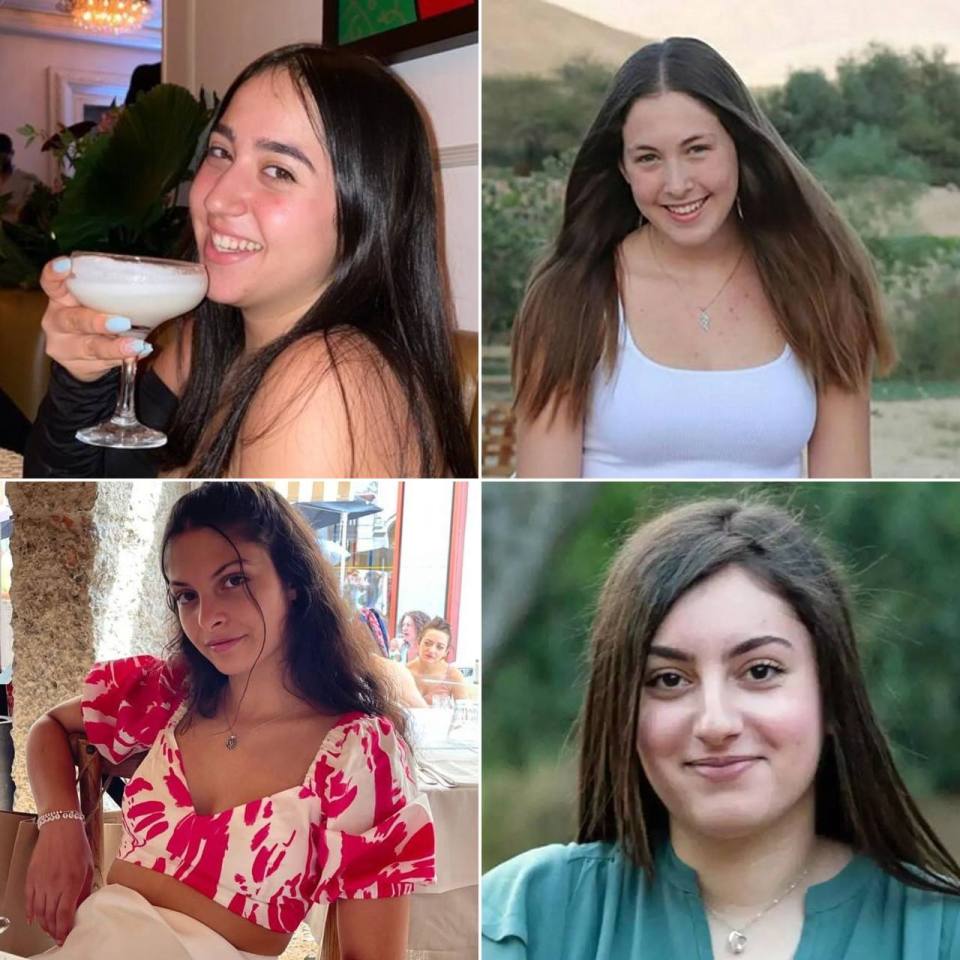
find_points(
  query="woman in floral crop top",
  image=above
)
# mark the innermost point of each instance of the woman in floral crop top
(276, 775)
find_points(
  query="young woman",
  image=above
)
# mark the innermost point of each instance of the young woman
(434, 674)
(324, 347)
(411, 623)
(736, 793)
(705, 311)
(275, 777)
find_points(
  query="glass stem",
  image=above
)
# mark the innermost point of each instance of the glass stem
(125, 415)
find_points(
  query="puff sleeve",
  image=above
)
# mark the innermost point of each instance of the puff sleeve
(126, 703)
(376, 838)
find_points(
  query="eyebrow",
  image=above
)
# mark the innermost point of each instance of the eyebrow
(216, 573)
(745, 646)
(273, 146)
(683, 143)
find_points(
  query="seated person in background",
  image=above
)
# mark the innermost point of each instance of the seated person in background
(16, 185)
(436, 677)
(396, 679)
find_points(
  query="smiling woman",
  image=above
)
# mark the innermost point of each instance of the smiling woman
(704, 311)
(325, 344)
(736, 793)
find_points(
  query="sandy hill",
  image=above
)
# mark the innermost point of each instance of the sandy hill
(530, 36)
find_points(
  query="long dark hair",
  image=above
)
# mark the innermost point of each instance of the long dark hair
(327, 659)
(387, 289)
(860, 798)
(815, 272)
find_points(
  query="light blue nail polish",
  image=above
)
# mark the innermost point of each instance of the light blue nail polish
(62, 265)
(118, 324)
(139, 347)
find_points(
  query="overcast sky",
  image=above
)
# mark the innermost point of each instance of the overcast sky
(765, 39)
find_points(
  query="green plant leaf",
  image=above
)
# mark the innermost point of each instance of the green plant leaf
(122, 176)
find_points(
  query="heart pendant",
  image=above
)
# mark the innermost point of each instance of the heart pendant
(736, 942)
(231, 742)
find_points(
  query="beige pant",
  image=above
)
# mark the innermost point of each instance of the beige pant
(116, 923)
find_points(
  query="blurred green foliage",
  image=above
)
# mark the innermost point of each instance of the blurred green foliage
(898, 542)
(877, 137)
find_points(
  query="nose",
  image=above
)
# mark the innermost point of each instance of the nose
(210, 614)
(228, 195)
(676, 178)
(718, 719)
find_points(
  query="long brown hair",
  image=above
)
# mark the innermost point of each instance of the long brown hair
(387, 298)
(815, 272)
(860, 798)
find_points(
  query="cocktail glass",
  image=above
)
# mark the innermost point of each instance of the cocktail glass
(148, 291)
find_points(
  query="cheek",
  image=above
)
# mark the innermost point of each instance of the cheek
(663, 733)
(202, 184)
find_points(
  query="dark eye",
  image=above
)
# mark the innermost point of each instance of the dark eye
(216, 152)
(764, 671)
(281, 173)
(183, 597)
(699, 148)
(234, 580)
(646, 158)
(669, 680)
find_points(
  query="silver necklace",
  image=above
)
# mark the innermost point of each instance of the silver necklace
(737, 938)
(233, 740)
(703, 315)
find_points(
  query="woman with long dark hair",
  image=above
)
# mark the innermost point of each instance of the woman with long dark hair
(705, 311)
(324, 346)
(736, 793)
(276, 773)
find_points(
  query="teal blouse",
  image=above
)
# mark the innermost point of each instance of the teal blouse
(578, 902)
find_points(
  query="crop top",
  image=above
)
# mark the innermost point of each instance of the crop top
(356, 827)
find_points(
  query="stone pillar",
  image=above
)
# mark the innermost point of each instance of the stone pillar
(86, 586)
(54, 546)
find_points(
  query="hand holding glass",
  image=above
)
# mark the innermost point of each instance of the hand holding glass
(148, 291)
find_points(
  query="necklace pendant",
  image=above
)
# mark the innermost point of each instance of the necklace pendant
(704, 319)
(736, 942)
(231, 742)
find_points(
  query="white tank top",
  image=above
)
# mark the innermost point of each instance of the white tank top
(648, 420)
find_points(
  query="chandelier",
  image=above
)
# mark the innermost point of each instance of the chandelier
(107, 16)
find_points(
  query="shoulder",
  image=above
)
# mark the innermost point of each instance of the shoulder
(328, 405)
(524, 896)
(126, 703)
(364, 761)
(454, 675)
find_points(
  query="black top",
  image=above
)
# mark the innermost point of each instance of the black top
(53, 451)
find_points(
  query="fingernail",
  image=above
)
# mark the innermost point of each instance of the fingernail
(62, 265)
(138, 348)
(118, 324)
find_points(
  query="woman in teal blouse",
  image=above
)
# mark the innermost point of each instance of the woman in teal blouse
(736, 793)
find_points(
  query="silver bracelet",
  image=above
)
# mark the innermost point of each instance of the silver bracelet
(59, 815)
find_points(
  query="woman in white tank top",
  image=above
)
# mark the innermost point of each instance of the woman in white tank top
(705, 311)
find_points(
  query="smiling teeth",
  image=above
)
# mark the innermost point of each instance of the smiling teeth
(688, 207)
(233, 244)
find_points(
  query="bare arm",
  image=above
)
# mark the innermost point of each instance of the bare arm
(550, 445)
(373, 929)
(61, 868)
(840, 445)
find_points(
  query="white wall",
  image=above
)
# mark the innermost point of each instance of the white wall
(207, 43)
(24, 83)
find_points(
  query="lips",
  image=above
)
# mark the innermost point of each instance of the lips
(212, 254)
(722, 769)
(224, 644)
(686, 212)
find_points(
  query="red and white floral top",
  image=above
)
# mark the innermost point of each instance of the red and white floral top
(355, 827)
